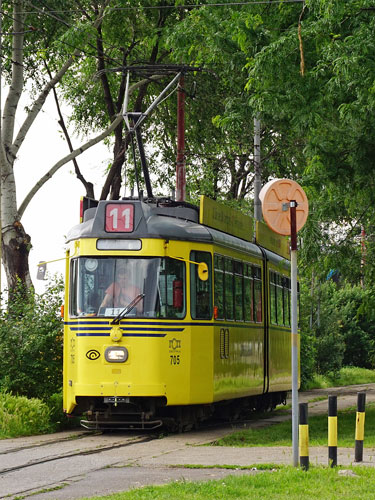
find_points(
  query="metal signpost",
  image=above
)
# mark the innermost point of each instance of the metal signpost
(285, 209)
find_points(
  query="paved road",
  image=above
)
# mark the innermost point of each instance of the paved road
(60, 467)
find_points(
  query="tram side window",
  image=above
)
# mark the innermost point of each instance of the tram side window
(229, 289)
(280, 301)
(219, 286)
(238, 290)
(287, 301)
(171, 286)
(258, 294)
(273, 301)
(83, 294)
(248, 292)
(73, 299)
(200, 291)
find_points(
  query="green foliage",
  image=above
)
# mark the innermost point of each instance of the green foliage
(307, 357)
(20, 416)
(59, 420)
(31, 342)
(342, 330)
(327, 112)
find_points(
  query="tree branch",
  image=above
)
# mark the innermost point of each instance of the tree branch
(38, 104)
(65, 160)
(88, 185)
(78, 151)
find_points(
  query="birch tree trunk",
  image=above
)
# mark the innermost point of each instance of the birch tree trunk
(16, 242)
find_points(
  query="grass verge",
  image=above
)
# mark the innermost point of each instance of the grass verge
(286, 483)
(280, 434)
(349, 375)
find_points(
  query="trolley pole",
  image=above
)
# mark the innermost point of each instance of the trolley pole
(180, 164)
(294, 329)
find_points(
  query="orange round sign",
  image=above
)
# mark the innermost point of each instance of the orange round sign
(275, 197)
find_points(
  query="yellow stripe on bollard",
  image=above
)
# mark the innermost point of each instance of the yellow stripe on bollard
(360, 426)
(332, 431)
(303, 440)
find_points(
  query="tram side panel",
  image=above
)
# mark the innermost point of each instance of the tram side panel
(239, 329)
(280, 377)
(199, 319)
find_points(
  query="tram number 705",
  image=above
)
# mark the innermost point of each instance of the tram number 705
(119, 218)
(175, 359)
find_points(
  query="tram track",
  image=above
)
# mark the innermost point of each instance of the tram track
(75, 453)
(49, 442)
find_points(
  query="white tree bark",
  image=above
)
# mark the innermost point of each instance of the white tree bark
(15, 241)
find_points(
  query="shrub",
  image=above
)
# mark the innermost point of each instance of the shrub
(20, 416)
(59, 420)
(31, 336)
(343, 326)
(308, 357)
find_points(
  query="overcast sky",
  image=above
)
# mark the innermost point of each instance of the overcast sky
(55, 208)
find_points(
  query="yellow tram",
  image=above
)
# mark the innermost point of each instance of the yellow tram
(204, 324)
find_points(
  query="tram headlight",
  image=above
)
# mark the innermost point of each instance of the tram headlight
(115, 354)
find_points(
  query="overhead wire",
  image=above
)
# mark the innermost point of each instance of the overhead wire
(184, 6)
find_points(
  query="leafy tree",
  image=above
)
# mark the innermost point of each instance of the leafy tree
(329, 110)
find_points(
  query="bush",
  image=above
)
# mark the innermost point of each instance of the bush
(59, 420)
(308, 357)
(343, 326)
(20, 416)
(31, 337)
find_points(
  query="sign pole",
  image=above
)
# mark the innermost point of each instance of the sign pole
(294, 329)
(280, 199)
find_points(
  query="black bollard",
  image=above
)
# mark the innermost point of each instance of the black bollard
(303, 436)
(360, 426)
(332, 431)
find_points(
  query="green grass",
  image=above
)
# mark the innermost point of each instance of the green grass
(286, 483)
(349, 375)
(280, 434)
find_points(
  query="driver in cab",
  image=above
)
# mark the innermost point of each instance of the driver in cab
(121, 292)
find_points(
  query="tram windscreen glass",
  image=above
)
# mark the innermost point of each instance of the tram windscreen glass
(105, 286)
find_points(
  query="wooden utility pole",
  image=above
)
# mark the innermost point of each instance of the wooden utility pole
(257, 174)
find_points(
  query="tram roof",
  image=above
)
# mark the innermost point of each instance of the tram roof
(180, 222)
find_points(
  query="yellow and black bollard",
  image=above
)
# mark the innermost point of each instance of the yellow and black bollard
(360, 426)
(332, 430)
(303, 436)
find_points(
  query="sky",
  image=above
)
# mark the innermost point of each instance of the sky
(55, 208)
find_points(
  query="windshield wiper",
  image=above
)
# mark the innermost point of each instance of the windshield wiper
(127, 309)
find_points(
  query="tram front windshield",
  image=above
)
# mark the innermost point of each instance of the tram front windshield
(105, 286)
